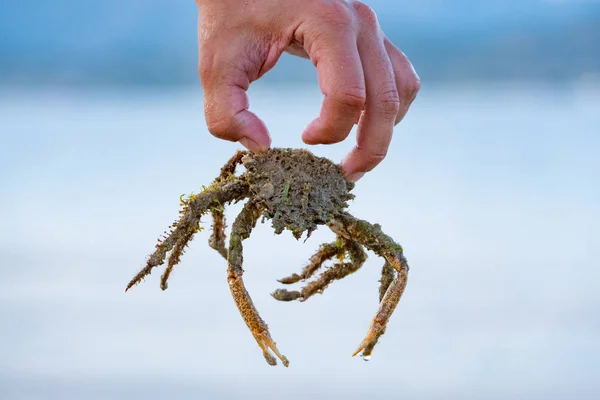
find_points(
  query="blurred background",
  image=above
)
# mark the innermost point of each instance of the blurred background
(491, 185)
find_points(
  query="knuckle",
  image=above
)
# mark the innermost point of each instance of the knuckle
(218, 122)
(412, 86)
(371, 157)
(375, 158)
(388, 103)
(353, 97)
(365, 14)
(378, 156)
(338, 13)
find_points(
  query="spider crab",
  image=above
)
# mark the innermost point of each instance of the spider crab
(296, 191)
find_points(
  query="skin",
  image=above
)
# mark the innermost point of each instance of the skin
(365, 79)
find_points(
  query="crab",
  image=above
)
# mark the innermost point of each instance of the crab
(297, 191)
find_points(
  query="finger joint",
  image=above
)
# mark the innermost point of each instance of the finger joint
(366, 15)
(219, 123)
(411, 87)
(388, 103)
(352, 97)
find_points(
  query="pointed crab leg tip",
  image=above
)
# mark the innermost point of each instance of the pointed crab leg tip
(287, 281)
(360, 348)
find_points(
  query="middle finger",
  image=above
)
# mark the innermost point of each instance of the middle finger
(376, 125)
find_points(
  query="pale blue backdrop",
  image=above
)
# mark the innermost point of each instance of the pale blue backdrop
(491, 185)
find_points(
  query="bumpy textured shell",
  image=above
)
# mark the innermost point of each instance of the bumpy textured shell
(297, 189)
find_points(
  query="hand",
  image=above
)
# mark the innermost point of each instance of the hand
(364, 78)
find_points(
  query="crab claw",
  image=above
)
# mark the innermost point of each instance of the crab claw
(266, 343)
(288, 280)
(286, 295)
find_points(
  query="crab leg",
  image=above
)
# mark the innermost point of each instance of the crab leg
(218, 236)
(374, 239)
(336, 272)
(240, 230)
(183, 230)
(326, 252)
(388, 273)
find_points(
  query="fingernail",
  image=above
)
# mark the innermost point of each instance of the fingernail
(355, 176)
(250, 144)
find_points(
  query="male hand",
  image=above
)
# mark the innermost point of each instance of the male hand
(364, 78)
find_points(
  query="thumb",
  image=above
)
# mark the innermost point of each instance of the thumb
(226, 103)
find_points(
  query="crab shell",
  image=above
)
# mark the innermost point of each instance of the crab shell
(297, 190)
